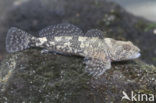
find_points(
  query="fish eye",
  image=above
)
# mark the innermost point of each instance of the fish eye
(126, 47)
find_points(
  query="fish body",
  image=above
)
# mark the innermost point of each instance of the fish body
(73, 45)
(64, 38)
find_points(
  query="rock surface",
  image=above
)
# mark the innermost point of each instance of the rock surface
(31, 77)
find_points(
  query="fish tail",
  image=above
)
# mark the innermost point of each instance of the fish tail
(18, 40)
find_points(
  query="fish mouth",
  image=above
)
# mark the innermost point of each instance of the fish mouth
(137, 55)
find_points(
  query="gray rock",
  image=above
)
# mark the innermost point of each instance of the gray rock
(32, 77)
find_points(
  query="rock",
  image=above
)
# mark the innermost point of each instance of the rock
(32, 77)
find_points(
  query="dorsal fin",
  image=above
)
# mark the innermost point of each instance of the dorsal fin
(95, 33)
(64, 29)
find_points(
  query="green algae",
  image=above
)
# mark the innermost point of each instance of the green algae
(145, 26)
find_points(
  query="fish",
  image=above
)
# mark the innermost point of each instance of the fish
(65, 38)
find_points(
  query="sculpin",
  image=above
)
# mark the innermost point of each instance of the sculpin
(98, 51)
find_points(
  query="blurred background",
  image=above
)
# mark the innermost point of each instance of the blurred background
(143, 8)
(110, 16)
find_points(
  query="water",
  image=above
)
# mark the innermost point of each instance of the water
(142, 8)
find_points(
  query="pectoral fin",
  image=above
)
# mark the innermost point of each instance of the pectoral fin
(97, 67)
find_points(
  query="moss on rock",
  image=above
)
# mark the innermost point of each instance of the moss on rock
(51, 78)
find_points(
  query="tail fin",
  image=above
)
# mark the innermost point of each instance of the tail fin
(17, 40)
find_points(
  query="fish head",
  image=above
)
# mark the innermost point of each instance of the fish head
(122, 50)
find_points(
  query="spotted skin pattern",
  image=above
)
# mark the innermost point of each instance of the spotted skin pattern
(64, 29)
(98, 52)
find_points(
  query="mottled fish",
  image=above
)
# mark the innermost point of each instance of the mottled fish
(66, 38)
